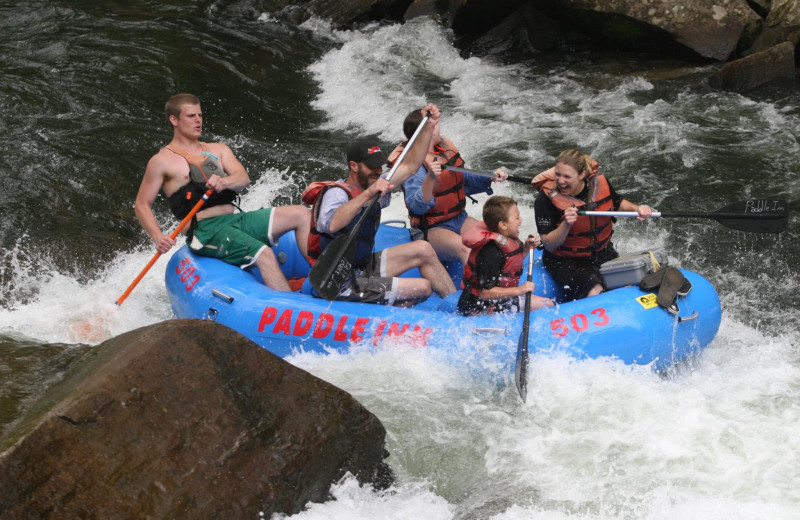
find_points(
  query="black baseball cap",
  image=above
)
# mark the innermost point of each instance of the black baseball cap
(368, 152)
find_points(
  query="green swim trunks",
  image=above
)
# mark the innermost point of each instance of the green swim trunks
(237, 238)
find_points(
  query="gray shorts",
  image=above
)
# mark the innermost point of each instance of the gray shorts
(371, 284)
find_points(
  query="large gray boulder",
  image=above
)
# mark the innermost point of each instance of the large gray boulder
(759, 68)
(712, 29)
(184, 419)
(782, 24)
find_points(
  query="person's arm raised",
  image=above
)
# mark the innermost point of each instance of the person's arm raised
(416, 154)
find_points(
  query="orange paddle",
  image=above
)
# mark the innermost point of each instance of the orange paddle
(174, 234)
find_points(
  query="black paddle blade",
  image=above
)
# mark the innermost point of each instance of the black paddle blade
(333, 267)
(521, 367)
(757, 216)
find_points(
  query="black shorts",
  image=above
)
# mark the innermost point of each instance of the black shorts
(371, 285)
(471, 305)
(577, 276)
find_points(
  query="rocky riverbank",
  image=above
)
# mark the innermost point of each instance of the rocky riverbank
(753, 42)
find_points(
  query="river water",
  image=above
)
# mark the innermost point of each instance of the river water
(718, 438)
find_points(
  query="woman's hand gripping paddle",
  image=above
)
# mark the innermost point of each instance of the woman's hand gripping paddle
(335, 264)
(521, 367)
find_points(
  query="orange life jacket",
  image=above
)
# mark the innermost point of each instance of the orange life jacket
(450, 198)
(317, 242)
(589, 233)
(513, 251)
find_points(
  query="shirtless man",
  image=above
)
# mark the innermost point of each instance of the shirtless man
(184, 170)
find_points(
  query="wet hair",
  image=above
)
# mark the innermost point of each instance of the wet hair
(577, 159)
(496, 209)
(174, 104)
(412, 122)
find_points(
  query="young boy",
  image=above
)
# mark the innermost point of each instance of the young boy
(491, 276)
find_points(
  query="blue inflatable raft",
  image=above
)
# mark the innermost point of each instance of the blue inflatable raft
(624, 323)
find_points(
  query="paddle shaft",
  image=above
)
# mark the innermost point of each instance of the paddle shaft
(521, 368)
(512, 178)
(698, 214)
(174, 234)
(374, 200)
(389, 175)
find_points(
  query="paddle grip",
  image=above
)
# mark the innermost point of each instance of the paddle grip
(183, 223)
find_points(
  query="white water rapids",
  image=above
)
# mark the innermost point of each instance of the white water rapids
(715, 439)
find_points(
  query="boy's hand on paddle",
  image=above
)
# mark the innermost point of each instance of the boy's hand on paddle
(644, 211)
(527, 287)
(533, 241)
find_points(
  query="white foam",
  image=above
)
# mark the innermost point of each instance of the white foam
(713, 438)
(355, 502)
(716, 438)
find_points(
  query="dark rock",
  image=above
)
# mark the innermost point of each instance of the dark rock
(472, 18)
(423, 8)
(355, 11)
(761, 7)
(184, 419)
(711, 30)
(757, 69)
(782, 24)
(26, 368)
(525, 31)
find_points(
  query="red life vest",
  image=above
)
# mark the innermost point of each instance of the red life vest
(201, 167)
(450, 198)
(513, 251)
(587, 234)
(317, 242)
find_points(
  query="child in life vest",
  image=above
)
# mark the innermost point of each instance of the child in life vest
(491, 276)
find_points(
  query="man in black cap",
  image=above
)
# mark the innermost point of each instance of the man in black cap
(337, 206)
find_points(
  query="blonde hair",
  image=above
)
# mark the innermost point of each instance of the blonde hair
(173, 105)
(577, 159)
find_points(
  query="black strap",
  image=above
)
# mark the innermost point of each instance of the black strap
(590, 206)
